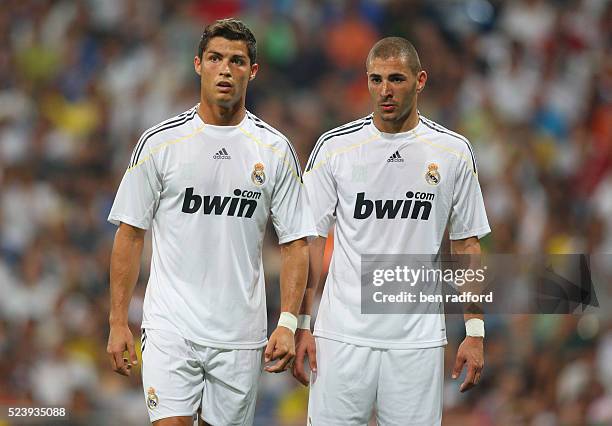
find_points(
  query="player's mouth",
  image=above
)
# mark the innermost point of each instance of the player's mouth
(388, 107)
(224, 86)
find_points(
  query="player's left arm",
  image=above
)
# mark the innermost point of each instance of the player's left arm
(292, 221)
(471, 350)
(294, 273)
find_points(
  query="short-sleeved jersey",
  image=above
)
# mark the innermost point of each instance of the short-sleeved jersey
(388, 194)
(207, 192)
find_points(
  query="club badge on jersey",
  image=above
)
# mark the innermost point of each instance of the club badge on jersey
(152, 399)
(258, 176)
(432, 176)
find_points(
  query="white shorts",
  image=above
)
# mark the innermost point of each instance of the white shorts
(404, 386)
(179, 376)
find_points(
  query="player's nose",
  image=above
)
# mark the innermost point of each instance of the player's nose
(225, 69)
(386, 90)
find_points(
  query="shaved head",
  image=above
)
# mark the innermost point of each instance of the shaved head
(396, 47)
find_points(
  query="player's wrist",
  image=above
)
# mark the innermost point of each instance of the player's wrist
(117, 321)
(303, 322)
(288, 320)
(474, 327)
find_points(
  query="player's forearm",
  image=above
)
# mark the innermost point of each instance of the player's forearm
(316, 249)
(124, 269)
(469, 246)
(294, 273)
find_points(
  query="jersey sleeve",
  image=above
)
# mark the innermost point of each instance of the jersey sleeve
(321, 190)
(138, 196)
(468, 216)
(289, 208)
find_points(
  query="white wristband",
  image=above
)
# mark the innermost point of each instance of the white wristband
(288, 320)
(304, 322)
(474, 327)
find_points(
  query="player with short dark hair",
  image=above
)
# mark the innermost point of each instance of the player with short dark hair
(206, 182)
(357, 176)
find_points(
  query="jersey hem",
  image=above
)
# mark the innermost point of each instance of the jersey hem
(117, 219)
(480, 232)
(210, 343)
(297, 236)
(378, 343)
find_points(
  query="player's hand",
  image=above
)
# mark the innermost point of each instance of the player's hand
(281, 347)
(471, 352)
(304, 347)
(121, 340)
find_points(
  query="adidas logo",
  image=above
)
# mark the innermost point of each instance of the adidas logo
(395, 158)
(222, 155)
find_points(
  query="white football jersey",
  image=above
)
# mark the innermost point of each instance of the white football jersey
(388, 194)
(207, 191)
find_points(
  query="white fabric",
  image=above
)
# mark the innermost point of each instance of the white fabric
(475, 327)
(357, 160)
(304, 322)
(183, 375)
(403, 386)
(207, 192)
(288, 320)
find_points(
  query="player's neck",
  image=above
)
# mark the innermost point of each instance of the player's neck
(398, 126)
(217, 115)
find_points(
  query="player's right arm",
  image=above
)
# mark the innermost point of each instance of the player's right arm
(124, 268)
(133, 211)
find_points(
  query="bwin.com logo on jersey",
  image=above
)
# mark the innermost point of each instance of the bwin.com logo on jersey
(243, 204)
(416, 205)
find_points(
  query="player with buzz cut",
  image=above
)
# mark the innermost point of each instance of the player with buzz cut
(393, 362)
(206, 182)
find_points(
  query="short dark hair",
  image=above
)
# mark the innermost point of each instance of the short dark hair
(231, 29)
(396, 47)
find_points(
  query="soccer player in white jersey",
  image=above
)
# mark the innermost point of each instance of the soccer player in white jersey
(391, 362)
(206, 182)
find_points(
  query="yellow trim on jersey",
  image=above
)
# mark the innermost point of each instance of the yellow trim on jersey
(343, 150)
(275, 150)
(458, 154)
(165, 145)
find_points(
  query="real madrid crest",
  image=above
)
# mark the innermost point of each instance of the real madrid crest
(152, 399)
(258, 176)
(432, 176)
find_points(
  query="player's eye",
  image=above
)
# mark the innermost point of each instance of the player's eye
(375, 80)
(397, 79)
(238, 61)
(214, 58)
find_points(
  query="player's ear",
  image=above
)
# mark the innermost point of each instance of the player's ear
(421, 79)
(254, 69)
(197, 65)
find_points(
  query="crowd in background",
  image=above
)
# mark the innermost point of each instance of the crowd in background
(529, 82)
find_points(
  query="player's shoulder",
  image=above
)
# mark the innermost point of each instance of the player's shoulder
(338, 135)
(267, 132)
(274, 139)
(342, 132)
(161, 133)
(450, 140)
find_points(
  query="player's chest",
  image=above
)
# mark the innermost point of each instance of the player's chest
(394, 171)
(219, 168)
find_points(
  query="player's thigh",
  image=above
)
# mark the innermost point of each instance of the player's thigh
(410, 387)
(230, 386)
(172, 376)
(175, 421)
(343, 390)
